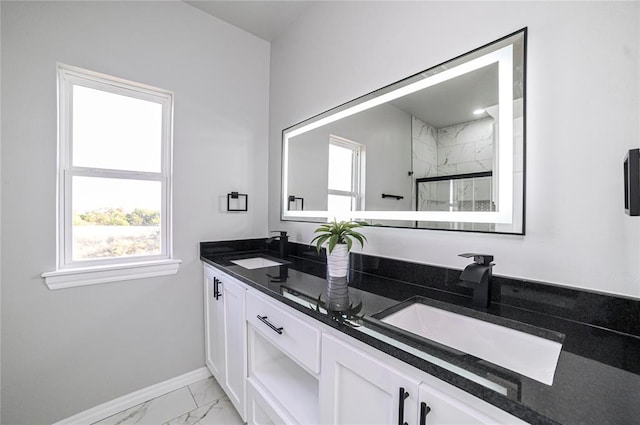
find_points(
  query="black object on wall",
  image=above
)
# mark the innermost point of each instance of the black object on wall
(293, 198)
(396, 197)
(632, 182)
(238, 203)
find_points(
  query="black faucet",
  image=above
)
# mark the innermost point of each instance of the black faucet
(284, 242)
(477, 276)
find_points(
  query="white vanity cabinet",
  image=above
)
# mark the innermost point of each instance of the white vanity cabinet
(213, 324)
(284, 364)
(225, 334)
(442, 409)
(362, 386)
(280, 366)
(359, 389)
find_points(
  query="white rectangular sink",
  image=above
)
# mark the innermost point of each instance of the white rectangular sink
(527, 354)
(255, 263)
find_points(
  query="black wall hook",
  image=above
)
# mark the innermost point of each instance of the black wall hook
(396, 197)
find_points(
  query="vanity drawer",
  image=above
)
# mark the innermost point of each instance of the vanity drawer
(290, 333)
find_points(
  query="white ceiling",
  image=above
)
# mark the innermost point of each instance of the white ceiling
(441, 106)
(265, 19)
(453, 101)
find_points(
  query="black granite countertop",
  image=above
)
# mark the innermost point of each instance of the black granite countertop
(597, 380)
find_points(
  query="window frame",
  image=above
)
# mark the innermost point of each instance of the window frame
(357, 172)
(133, 266)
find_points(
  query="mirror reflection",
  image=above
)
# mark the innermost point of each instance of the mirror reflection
(443, 149)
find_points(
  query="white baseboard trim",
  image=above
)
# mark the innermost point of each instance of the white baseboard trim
(119, 404)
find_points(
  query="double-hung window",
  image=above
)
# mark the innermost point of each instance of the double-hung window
(114, 179)
(346, 168)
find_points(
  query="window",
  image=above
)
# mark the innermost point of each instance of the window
(346, 166)
(114, 182)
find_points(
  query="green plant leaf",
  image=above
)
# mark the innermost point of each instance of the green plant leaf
(337, 232)
(319, 240)
(333, 241)
(359, 237)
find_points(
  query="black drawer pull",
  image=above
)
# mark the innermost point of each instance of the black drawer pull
(264, 320)
(216, 288)
(424, 411)
(403, 396)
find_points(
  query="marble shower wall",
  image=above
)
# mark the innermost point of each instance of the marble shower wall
(424, 154)
(466, 148)
(458, 149)
(424, 141)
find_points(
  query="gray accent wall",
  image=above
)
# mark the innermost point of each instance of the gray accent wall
(69, 350)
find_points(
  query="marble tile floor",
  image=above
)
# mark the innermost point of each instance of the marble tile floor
(201, 403)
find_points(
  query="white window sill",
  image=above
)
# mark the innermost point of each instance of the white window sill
(68, 278)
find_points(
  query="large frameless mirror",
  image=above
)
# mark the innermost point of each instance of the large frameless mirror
(442, 149)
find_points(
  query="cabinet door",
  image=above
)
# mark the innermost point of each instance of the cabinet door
(214, 326)
(356, 388)
(234, 342)
(445, 410)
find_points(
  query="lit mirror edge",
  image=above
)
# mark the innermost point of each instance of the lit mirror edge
(504, 171)
(504, 205)
(457, 216)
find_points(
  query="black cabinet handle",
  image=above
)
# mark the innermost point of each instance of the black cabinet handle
(424, 411)
(264, 320)
(216, 288)
(403, 396)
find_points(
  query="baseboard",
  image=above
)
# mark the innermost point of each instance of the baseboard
(119, 404)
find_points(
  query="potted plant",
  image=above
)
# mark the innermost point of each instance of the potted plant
(339, 237)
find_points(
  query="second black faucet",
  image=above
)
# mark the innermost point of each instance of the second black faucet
(477, 276)
(283, 240)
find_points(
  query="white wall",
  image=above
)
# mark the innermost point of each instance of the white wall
(582, 117)
(69, 350)
(0, 216)
(385, 133)
(638, 95)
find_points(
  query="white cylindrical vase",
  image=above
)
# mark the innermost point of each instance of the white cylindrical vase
(337, 278)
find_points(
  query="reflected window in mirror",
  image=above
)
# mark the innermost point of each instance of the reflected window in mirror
(345, 175)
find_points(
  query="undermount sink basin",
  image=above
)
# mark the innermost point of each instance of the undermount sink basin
(522, 348)
(255, 263)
